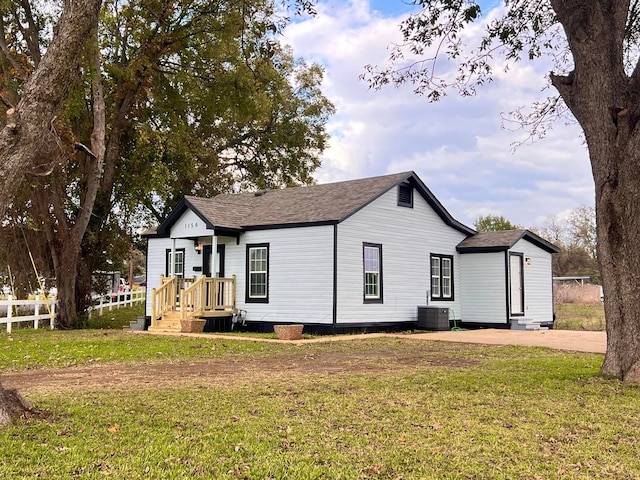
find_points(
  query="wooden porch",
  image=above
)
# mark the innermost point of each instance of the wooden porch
(191, 298)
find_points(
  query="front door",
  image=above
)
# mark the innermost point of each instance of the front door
(206, 260)
(516, 279)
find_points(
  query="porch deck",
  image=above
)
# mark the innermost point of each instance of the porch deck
(180, 299)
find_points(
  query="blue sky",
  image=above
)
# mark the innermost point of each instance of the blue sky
(457, 146)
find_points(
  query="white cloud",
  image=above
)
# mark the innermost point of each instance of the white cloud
(457, 146)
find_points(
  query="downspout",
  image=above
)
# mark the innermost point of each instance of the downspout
(507, 277)
(335, 274)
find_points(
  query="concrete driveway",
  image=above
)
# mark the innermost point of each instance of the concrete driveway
(578, 341)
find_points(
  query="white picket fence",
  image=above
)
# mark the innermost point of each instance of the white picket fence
(117, 300)
(21, 310)
(15, 311)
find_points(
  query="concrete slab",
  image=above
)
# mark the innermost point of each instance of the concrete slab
(578, 341)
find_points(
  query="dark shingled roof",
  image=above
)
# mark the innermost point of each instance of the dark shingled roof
(317, 204)
(501, 241)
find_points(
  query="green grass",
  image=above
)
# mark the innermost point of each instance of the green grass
(400, 409)
(28, 349)
(573, 316)
(116, 318)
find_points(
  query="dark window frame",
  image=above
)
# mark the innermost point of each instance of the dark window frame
(380, 297)
(248, 297)
(440, 297)
(521, 261)
(402, 201)
(167, 260)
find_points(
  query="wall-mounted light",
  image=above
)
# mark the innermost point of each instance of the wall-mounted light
(527, 261)
(197, 246)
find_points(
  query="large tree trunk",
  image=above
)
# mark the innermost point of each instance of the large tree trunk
(618, 221)
(65, 259)
(606, 102)
(12, 405)
(28, 138)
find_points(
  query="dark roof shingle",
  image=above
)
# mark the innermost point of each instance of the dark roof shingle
(502, 240)
(315, 204)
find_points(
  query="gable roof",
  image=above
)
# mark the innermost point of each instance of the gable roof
(502, 241)
(323, 204)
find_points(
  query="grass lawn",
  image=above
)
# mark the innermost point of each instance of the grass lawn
(385, 408)
(574, 316)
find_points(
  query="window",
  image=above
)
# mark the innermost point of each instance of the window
(178, 266)
(257, 284)
(441, 277)
(372, 272)
(405, 195)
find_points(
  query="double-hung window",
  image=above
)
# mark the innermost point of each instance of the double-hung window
(257, 285)
(372, 272)
(178, 263)
(441, 277)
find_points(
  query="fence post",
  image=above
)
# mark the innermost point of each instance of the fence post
(36, 312)
(9, 312)
(52, 318)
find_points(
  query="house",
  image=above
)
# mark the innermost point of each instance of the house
(355, 255)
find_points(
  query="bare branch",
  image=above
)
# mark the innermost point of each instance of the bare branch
(83, 148)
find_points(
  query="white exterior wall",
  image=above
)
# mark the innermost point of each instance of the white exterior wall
(189, 225)
(538, 282)
(408, 236)
(483, 287)
(300, 274)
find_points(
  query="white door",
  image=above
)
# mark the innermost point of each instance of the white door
(516, 279)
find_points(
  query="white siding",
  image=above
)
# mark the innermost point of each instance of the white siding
(483, 285)
(538, 283)
(408, 236)
(189, 225)
(300, 274)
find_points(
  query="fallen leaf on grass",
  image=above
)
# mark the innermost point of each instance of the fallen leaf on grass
(374, 468)
(437, 426)
(114, 428)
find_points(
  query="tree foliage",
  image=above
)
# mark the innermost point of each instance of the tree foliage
(575, 237)
(171, 98)
(493, 223)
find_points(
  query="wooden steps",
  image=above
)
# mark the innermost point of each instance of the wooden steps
(170, 322)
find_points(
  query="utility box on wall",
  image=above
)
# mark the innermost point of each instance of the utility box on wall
(433, 318)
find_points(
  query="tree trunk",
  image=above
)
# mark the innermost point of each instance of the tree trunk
(12, 405)
(28, 139)
(618, 221)
(66, 276)
(605, 101)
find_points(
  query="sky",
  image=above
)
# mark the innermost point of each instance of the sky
(456, 146)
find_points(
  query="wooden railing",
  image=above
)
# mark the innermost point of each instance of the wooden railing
(208, 296)
(163, 298)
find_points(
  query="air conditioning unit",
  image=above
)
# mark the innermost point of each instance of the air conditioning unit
(433, 318)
